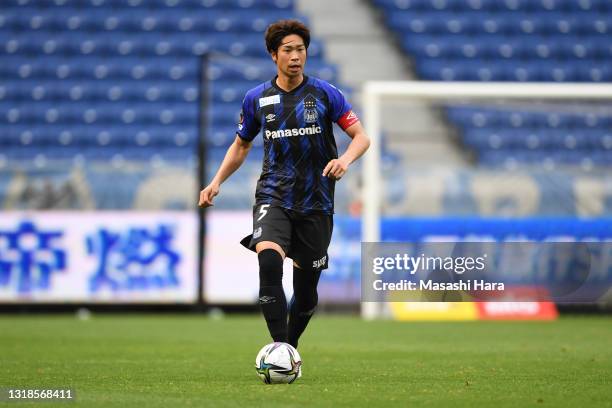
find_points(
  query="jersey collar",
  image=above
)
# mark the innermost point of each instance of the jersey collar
(294, 90)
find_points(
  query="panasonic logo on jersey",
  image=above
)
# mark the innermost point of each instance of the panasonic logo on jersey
(275, 134)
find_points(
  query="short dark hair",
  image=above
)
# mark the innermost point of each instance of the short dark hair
(282, 28)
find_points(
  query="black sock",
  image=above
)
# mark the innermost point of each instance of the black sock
(303, 303)
(271, 294)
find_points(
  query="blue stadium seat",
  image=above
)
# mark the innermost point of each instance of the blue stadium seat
(221, 136)
(496, 5)
(514, 40)
(224, 114)
(263, 5)
(138, 20)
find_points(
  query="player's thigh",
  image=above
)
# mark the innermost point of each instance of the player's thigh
(310, 240)
(271, 229)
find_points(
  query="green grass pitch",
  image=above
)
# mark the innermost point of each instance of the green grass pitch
(192, 361)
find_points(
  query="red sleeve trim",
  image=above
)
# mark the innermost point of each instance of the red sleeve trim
(348, 119)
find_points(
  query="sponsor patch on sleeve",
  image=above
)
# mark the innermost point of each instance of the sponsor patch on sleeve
(241, 121)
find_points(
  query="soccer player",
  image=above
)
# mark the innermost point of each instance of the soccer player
(294, 199)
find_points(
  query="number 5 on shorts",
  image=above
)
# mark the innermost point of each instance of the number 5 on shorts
(263, 210)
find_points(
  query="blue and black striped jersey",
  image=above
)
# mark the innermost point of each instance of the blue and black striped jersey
(297, 127)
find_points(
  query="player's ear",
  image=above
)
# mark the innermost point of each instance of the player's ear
(274, 56)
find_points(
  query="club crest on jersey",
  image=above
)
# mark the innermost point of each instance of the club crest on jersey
(310, 110)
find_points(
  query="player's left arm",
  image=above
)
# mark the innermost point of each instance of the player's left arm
(360, 142)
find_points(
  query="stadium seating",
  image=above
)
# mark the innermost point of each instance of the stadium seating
(116, 84)
(515, 40)
(101, 78)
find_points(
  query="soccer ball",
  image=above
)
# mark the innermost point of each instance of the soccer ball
(278, 363)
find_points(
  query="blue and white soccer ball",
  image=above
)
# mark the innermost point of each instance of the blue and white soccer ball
(278, 363)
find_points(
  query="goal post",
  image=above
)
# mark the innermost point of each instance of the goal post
(376, 93)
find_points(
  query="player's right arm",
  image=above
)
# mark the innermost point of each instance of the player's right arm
(234, 157)
(248, 128)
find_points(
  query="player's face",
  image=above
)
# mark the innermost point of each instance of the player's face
(291, 56)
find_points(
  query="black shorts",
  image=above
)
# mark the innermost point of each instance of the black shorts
(304, 237)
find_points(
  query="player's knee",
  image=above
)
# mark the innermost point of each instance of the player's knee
(270, 268)
(263, 245)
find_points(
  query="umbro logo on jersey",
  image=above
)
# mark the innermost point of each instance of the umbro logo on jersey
(270, 117)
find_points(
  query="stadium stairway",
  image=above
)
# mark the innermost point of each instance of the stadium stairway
(515, 40)
(364, 50)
